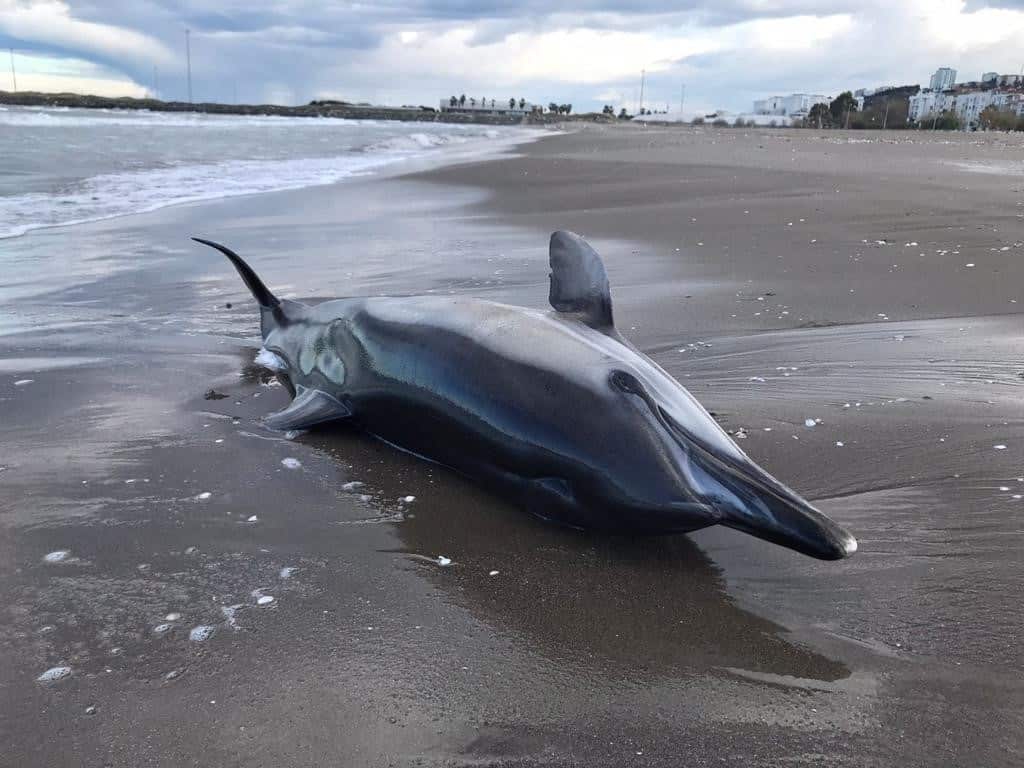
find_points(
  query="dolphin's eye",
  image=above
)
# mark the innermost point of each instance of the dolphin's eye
(626, 382)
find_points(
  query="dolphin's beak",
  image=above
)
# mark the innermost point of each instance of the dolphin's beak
(752, 501)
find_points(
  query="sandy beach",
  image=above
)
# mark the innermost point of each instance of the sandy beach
(872, 283)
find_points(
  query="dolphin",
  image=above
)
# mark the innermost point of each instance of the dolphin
(554, 407)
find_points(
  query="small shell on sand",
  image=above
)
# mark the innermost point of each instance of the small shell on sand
(290, 463)
(53, 674)
(201, 633)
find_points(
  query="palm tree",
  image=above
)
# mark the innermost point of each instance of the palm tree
(462, 100)
(522, 103)
(512, 103)
(452, 101)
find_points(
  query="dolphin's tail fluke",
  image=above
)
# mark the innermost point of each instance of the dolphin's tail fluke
(274, 312)
(260, 292)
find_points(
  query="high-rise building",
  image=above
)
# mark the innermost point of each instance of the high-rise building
(943, 79)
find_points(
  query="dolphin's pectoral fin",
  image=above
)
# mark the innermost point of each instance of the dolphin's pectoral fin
(579, 283)
(309, 408)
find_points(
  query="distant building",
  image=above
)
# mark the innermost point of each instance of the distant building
(989, 77)
(489, 106)
(795, 105)
(861, 94)
(924, 104)
(869, 97)
(943, 79)
(967, 103)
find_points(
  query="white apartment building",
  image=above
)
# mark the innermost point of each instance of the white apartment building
(967, 105)
(794, 105)
(943, 78)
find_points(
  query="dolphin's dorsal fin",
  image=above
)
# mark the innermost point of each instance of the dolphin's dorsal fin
(309, 408)
(579, 283)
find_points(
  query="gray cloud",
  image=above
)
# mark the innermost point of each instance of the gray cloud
(977, 5)
(295, 50)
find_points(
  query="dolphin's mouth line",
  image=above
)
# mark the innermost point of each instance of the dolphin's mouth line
(765, 508)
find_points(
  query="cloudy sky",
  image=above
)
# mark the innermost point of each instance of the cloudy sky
(727, 52)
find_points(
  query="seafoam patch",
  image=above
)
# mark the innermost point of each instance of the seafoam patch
(290, 463)
(270, 360)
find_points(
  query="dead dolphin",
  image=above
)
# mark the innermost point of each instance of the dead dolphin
(555, 407)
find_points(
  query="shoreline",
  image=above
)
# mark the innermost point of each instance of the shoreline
(382, 164)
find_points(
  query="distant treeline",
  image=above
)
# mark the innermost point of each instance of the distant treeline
(336, 109)
(319, 108)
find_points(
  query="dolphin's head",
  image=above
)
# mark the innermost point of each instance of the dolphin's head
(712, 470)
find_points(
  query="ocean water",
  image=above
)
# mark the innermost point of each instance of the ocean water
(59, 167)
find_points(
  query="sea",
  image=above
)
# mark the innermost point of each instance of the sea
(60, 167)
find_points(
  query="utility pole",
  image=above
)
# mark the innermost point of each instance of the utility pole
(188, 58)
(156, 83)
(14, 75)
(885, 120)
(682, 98)
(643, 74)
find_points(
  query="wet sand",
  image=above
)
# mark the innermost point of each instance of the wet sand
(747, 263)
